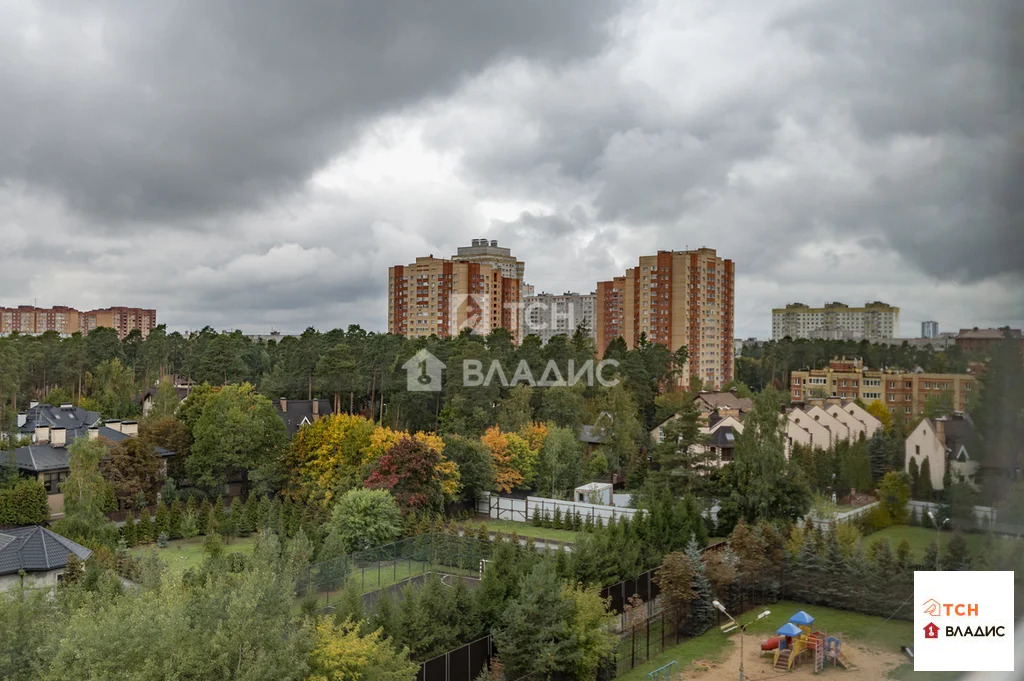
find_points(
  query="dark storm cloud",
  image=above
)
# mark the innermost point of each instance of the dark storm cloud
(169, 110)
(917, 104)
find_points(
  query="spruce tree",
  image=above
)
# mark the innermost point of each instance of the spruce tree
(931, 556)
(174, 520)
(203, 518)
(956, 555)
(385, 617)
(251, 515)
(535, 519)
(556, 518)
(904, 557)
(350, 605)
(161, 523)
(212, 520)
(701, 610)
(233, 519)
(131, 537)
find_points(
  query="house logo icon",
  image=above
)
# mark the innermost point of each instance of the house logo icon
(932, 608)
(423, 372)
(931, 630)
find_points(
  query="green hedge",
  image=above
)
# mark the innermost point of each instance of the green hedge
(24, 504)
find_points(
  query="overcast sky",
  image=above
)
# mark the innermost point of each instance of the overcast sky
(256, 165)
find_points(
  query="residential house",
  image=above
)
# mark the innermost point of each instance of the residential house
(722, 402)
(52, 430)
(945, 441)
(858, 419)
(298, 413)
(35, 557)
(182, 386)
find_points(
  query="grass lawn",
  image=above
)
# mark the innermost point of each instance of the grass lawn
(713, 645)
(528, 530)
(182, 554)
(920, 537)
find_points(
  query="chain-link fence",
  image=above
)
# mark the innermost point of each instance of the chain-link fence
(394, 564)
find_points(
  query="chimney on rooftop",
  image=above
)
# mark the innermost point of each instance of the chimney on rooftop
(42, 434)
(33, 404)
(113, 425)
(67, 406)
(316, 408)
(130, 427)
(940, 430)
(284, 406)
(22, 418)
(59, 436)
(94, 432)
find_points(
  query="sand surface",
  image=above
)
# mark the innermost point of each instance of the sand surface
(872, 665)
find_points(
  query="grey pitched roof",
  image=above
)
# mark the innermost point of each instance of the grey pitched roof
(299, 411)
(39, 458)
(36, 549)
(723, 437)
(725, 399)
(72, 418)
(592, 434)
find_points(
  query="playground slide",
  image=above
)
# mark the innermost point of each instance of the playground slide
(771, 644)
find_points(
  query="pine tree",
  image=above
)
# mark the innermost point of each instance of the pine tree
(535, 519)
(174, 520)
(904, 559)
(577, 521)
(915, 478)
(220, 513)
(265, 514)
(189, 524)
(701, 610)
(252, 513)
(556, 519)
(385, 616)
(144, 529)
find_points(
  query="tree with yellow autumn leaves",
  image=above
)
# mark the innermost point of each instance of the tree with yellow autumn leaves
(338, 452)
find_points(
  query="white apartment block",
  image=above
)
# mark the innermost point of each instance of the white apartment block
(875, 322)
(549, 314)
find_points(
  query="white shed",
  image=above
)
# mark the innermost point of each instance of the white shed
(594, 493)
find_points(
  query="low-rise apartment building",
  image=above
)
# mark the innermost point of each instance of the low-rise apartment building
(903, 391)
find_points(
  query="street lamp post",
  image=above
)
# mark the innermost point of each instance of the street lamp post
(938, 537)
(742, 627)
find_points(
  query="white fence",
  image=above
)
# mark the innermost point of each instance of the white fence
(522, 510)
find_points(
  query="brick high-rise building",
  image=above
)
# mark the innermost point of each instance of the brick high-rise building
(438, 296)
(675, 298)
(30, 320)
(484, 252)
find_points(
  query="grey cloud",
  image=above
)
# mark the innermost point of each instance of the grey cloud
(167, 110)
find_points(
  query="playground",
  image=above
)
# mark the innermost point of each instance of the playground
(869, 644)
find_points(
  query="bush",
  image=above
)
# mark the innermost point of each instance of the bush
(161, 540)
(24, 504)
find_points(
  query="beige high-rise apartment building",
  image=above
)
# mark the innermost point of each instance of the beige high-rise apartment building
(442, 297)
(484, 252)
(27, 319)
(875, 322)
(675, 298)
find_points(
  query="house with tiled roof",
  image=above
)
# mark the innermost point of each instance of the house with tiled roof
(299, 413)
(35, 556)
(52, 430)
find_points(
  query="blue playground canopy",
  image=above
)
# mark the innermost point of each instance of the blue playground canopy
(801, 618)
(789, 629)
